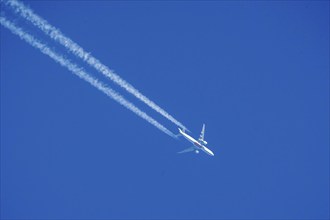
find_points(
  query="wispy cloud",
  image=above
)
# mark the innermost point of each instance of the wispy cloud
(77, 50)
(81, 73)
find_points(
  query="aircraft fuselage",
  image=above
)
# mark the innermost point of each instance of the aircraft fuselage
(196, 144)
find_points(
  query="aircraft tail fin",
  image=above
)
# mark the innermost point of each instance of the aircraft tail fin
(178, 135)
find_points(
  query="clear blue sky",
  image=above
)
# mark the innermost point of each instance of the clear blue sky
(257, 73)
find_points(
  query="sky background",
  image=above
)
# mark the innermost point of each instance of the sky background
(256, 73)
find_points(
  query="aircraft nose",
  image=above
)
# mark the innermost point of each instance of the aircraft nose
(209, 151)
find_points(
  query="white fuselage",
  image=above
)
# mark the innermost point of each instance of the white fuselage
(196, 144)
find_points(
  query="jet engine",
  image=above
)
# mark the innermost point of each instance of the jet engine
(204, 142)
(196, 151)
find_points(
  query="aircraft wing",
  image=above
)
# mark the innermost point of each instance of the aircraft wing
(201, 136)
(187, 150)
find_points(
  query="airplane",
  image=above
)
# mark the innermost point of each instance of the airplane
(197, 144)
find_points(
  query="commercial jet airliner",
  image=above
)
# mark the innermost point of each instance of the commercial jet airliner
(197, 144)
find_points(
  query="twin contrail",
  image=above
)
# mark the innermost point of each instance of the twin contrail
(78, 51)
(81, 73)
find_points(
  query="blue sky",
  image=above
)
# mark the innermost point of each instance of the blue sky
(256, 72)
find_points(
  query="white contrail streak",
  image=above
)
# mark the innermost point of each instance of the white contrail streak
(81, 73)
(56, 35)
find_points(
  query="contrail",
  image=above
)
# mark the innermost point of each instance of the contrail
(78, 51)
(81, 73)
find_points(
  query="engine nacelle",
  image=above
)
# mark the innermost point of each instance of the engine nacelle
(204, 142)
(196, 151)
